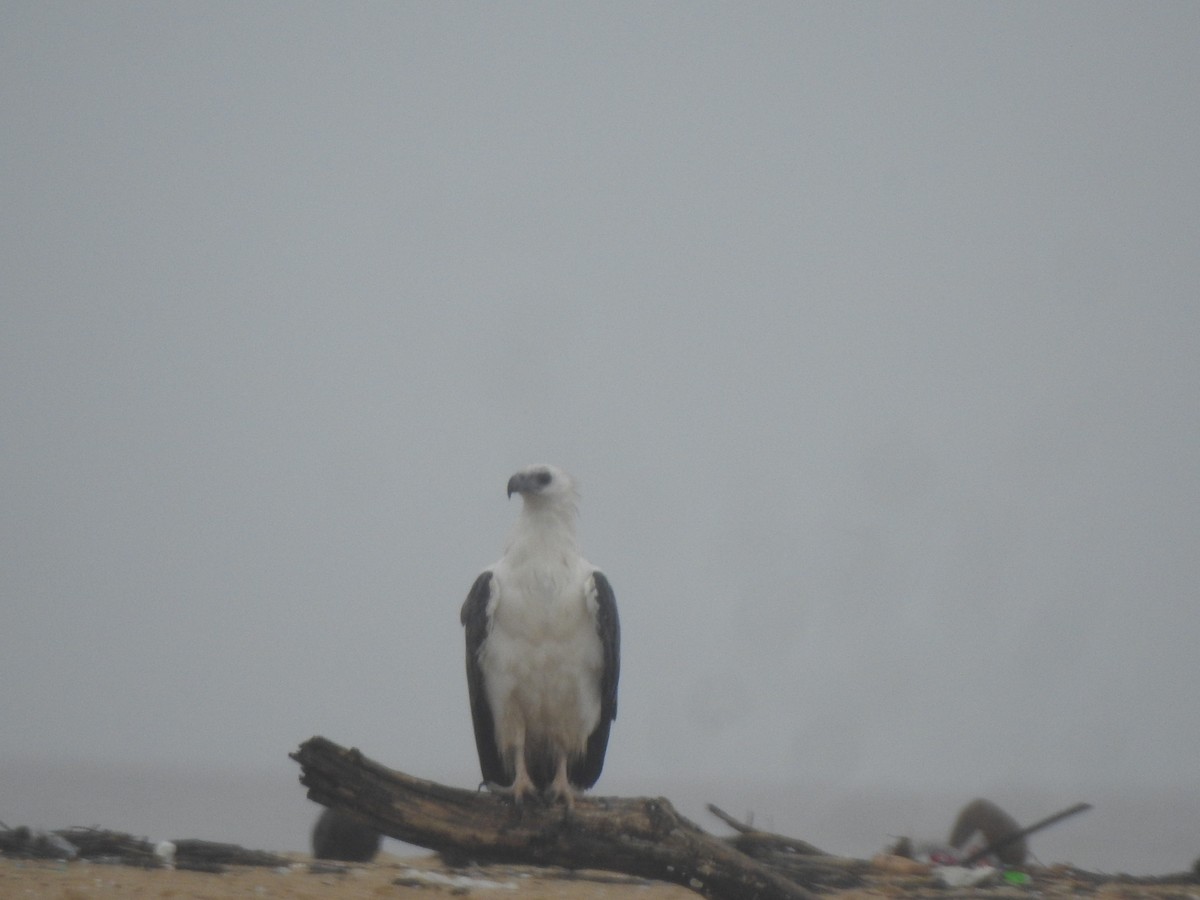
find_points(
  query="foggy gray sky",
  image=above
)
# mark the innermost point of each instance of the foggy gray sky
(870, 331)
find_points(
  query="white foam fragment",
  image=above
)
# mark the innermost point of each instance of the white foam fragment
(963, 876)
(459, 881)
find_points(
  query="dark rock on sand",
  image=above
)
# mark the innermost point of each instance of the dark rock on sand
(338, 835)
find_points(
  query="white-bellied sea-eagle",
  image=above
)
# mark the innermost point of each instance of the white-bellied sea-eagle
(543, 650)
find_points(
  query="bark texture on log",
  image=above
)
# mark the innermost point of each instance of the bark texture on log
(638, 836)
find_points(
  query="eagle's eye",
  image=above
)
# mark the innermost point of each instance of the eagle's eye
(542, 478)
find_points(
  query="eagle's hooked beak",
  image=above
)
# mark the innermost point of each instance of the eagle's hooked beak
(517, 484)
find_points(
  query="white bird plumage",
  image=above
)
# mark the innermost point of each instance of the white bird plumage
(543, 650)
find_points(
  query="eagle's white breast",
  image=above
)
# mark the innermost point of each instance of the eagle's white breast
(543, 657)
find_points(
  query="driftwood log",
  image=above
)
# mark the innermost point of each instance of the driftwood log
(1001, 841)
(118, 846)
(644, 837)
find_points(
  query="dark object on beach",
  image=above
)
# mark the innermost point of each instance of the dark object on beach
(341, 836)
(101, 845)
(205, 856)
(1000, 831)
(23, 843)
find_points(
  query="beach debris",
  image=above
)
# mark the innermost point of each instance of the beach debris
(801, 861)
(965, 876)
(195, 854)
(165, 851)
(426, 878)
(642, 837)
(1001, 844)
(340, 835)
(927, 853)
(894, 864)
(983, 833)
(28, 843)
(328, 868)
(1000, 832)
(1017, 878)
(103, 846)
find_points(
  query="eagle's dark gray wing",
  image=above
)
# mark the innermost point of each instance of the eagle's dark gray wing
(474, 619)
(586, 771)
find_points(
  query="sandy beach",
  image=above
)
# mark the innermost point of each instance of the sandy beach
(388, 877)
(426, 876)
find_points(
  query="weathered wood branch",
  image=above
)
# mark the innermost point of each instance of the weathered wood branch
(749, 836)
(118, 846)
(998, 843)
(643, 836)
(798, 860)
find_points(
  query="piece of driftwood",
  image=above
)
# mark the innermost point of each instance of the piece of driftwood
(99, 844)
(191, 853)
(999, 843)
(27, 843)
(749, 836)
(644, 837)
(799, 860)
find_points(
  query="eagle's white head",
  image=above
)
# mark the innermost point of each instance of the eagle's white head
(544, 485)
(548, 514)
